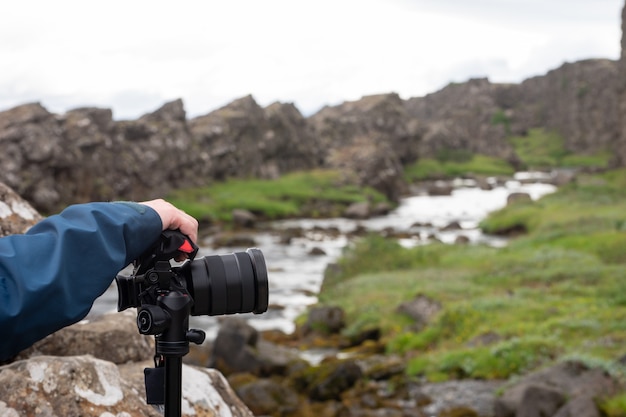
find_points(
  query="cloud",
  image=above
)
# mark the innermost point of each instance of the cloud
(134, 56)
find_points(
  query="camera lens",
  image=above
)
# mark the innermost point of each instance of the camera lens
(228, 284)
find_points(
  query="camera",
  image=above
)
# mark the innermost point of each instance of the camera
(216, 284)
(166, 295)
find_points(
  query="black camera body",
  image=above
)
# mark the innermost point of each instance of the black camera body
(217, 284)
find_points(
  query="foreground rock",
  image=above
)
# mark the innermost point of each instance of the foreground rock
(110, 337)
(65, 375)
(86, 386)
(563, 390)
(16, 214)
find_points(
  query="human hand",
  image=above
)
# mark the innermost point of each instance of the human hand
(173, 218)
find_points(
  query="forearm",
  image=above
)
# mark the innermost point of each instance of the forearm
(50, 276)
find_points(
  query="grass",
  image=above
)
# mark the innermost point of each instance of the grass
(555, 292)
(538, 150)
(542, 149)
(317, 193)
(442, 167)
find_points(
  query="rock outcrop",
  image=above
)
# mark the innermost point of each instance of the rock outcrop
(620, 145)
(84, 155)
(244, 140)
(460, 117)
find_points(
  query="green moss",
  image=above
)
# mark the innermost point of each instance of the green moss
(505, 359)
(540, 149)
(312, 193)
(554, 292)
(451, 164)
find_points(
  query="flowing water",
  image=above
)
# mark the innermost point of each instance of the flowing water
(295, 274)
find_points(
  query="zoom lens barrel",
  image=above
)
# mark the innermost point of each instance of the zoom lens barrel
(228, 284)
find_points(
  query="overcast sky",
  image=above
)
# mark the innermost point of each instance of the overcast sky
(132, 56)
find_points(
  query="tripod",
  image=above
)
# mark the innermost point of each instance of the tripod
(168, 320)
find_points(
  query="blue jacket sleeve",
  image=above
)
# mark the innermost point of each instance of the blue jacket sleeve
(50, 276)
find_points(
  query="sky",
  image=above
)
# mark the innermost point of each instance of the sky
(133, 56)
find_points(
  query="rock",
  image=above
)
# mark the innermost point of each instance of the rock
(538, 400)
(70, 386)
(516, 198)
(90, 387)
(542, 390)
(111, 337)
(382, 367)
(325, 320)
(439, 188)
(287, 235)
(328, 380)
(462, 240)
(238, 348)
(458, 412)
(205, 392)
(243, 218)
(579, 407)
(359, 210)
(468, 395)
(371, 164)
(455, 225)
(246, 141)
(561, 177)
(276, 359)
(381, 209)
(317, 251)
(234, 349)
(369, 140)
(84, 155)
(53, 161)
(16, 214)
(267, 397)
(422, 309)
(459, 117)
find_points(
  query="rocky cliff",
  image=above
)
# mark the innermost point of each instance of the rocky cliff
(54, 160)
(620, 146)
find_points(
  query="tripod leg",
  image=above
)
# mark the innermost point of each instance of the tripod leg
(173, 385)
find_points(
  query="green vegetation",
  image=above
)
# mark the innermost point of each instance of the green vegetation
(312, 193)
(539, 149)
(460, 164)
(556, 292)
(501, 118)
(542, 149)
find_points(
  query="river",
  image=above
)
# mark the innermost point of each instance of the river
(295, 274)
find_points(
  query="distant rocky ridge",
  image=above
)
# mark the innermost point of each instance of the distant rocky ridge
(83, 155)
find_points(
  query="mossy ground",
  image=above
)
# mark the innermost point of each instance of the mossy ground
(556, 292)
(317, 193)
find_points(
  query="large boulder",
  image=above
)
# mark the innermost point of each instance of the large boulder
(16, 214)
(90, 387)
(234, 349)
(555, 390)
(97, 367)
(112, 337)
